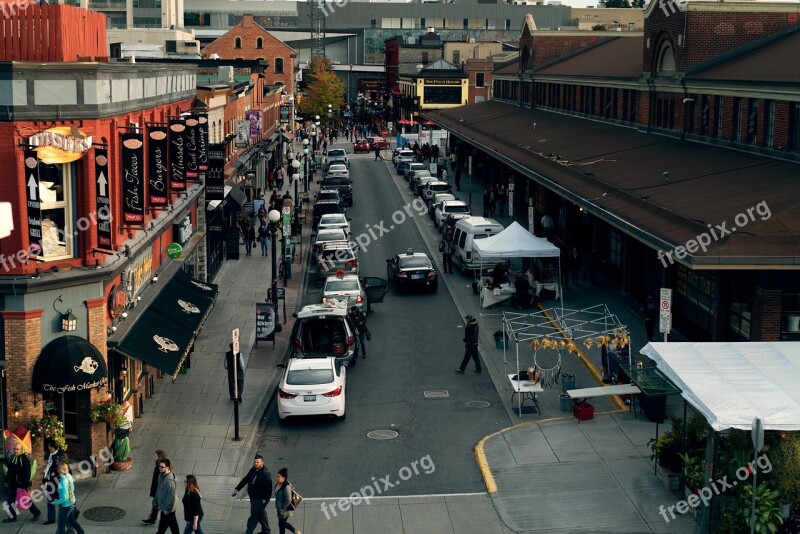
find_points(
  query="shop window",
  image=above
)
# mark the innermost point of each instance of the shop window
(615, 248)
(55, 192)
(69, 414)
(696, 290)
(741, 309)
(752, 121)
(720, 116)
(737, 120)
(704, 116)
(790, 321)
(794, 127)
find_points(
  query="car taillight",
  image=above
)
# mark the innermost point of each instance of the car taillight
(338, 348)
(431, 274)
(469, 255)
(350, 190)
(297, 344)
(402, 275)
(359, 299)
(335, 393)
(351, 341)
(282, 394)
(352, 263)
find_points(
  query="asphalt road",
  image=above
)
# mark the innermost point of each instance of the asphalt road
(416, 343)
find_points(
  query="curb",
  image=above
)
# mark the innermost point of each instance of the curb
(483, 465)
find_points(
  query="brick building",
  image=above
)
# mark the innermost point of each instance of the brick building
(103, 165)
(688, 127)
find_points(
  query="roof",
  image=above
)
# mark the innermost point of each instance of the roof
(515, 242)
(438, 65)
(320, 310)
(510, 68)
(617, 57)
(616, 174)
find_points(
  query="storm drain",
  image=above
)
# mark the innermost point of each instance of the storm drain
(103, 514)
(478, 404)
(436, 394)
(382, 434)
(272, 440)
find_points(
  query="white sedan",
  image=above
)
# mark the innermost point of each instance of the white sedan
(446, 207)
(332, 221)
(312, 386)
(338, 169)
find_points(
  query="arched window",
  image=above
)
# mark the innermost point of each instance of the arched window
(259, 43)
(666, 60)
(237, 43)
(278, 65)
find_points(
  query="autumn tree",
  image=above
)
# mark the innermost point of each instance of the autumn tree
(323, 88)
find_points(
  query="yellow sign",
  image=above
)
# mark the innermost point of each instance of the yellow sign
(63, 144)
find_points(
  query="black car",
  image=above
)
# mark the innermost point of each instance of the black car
(326, 206)
(342, 184)
(411, 270)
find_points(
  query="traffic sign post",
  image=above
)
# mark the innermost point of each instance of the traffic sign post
(235, 363)
(757, 434)
(665, 311)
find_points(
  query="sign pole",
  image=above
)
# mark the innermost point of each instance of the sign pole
(235, 363)
(665, 312)
(757, 434)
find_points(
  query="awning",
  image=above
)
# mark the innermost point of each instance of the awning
(69, 363)
(235, 193)
(165, 332)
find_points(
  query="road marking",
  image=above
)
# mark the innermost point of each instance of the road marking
(434, 495)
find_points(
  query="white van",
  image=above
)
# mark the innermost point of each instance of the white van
(466, 232)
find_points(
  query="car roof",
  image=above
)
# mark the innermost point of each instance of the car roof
(414, 255)
(437, 182)
(454, 203)
(322, 310)
(346, 278)
(298, 364)
(331, 231)
(338, 243)
(333, 216)
(332, 165)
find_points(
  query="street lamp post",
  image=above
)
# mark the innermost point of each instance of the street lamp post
(305, 168)
(296, 175)
(274, 216)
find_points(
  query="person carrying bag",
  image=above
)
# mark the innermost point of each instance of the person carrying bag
(65, 504)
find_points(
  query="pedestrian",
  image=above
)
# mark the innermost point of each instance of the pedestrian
(283, 497)
(453, 160)
(649, 309)
(360, 321)
(492, 202)
(51, 476)
(273, 198)
(230, 358)
(501, 196)
(378, 156)
(263, 237)
(249, 237)
(487, 203)
(271, 178)
(280, 178)
(574, 262)
(458, 177)
(192, 506)
(18, 478)
(470, 345)
(435, 153)
(167, 499)
(259, 489)
(158, 457)
(447, 247)
(66, 502)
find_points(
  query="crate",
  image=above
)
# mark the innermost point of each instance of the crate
(583, 411)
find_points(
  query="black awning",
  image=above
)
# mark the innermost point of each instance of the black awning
(69, 363)
(165, 332)
(235, 193)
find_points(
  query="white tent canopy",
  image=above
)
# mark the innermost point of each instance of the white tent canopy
(732, 383)
(515, 242)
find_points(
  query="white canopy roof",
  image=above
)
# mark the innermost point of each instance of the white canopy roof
(732, 383)
(515, 242)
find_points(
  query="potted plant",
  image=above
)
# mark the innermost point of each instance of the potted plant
(768, 511)
(48, 427)
(786, 471)
(109, 412)
(694, 472)
(122, 448)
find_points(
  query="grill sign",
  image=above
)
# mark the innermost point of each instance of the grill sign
(34, 202)
(101, 195)
(132, 178)
(157, 169)
(177, 155)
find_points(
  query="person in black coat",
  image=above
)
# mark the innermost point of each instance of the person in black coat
(470, 345)
(159, 456)
(259, 489)
(51, 476)
(229, 365)
(192, 506)
(18, 477)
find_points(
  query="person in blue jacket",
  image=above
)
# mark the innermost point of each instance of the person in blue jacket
(65, 504)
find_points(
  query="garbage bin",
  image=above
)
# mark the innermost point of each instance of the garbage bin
(567, 381)
(500, 340)
(566, 402)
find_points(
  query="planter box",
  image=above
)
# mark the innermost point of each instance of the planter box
(672, 481)
(583, 411)
(687, 491)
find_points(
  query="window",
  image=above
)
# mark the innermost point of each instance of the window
(508, 24)
(373, 23)
(737, 120)
(690, 116)
(465, 24)
(720, 110)
(479, 81)
(741, 304)
(69, 414)
(55, 191)
(704, 117)
(278, 65)
(666, 60)
(695, 290)
(769, 122)
(752, 121)
(425, 58)
(790, 320)
(259, 42)
(237, 43)
(615, 248)
(456, 57)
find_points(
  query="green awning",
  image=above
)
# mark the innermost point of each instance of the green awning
(650, 380)
(165, 331)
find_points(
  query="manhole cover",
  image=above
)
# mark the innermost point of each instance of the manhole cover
(382, 434)
(478, 404)
(103, 514)
(436, 394)
(272, 440)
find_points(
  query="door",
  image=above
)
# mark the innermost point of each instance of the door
(375, 288)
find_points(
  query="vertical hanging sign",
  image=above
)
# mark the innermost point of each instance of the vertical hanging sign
(215, 176)
(190, 136)
(102, 198)
(132, 178)
(177, 155)
(157, 169)
(34, 202)
(202, 142)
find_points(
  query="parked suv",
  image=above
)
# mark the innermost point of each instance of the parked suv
(324, 330)
(343, 184)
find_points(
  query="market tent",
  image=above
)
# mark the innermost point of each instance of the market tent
(515, 242)
(732, 383)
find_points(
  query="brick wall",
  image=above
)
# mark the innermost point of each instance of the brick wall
(766, 320)
(547, 47)
(95, 432)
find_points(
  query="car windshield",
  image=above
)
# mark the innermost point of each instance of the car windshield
(480, 236)
(336, 152)
(309, 377)
(439, 187)
(331, 235)
(457, 209)
(328, 195)
(339, 254)
(341, 285)
(337, 168)
(418, 166)
(335, 180)
(423, 174)
(319, 335)
(333, 218)
(414, 262)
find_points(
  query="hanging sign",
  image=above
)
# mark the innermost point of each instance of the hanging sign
(174, 251)
(284, 114)
(215, 176)
(157, 169)
(242, 133)
(62, 144)
(34, 202)
(132, 178)
(202, 142)
(254, 118)
(191, 136)
(177, 155)
(102, 198)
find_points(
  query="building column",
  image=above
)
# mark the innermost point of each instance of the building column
(98, 437)
(766, 315)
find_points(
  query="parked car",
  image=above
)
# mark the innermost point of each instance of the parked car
(402, 167)
(446, 207)
(342, 184)
(415, 176)
(338, 169)
(422, 181)
(322, 331)
(331, 221)
(415, 167)
(337, 155)
(403, 154)
(433, 187)
(466, 232)
(334, 256)
(362, 145)
(327, 206)
(437, 199)
(410, 270)
(327, 235)
(312, 387)
(451, 220)
(346, 288)
(377, 142)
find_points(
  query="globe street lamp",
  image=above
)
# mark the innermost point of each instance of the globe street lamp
(274, 216)
(296, 175)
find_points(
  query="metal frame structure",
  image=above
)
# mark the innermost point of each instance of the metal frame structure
(317, 17)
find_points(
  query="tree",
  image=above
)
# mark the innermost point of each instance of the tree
(615, 3)
(638, 4)
(323, 88)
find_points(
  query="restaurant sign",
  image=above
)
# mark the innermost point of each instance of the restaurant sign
(429, 81)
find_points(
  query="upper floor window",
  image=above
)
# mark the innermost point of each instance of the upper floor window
(425, 60)
(278, 65)
(456, 57)
(259, 42)
(55, 192)
(665, 63)
(479, 79)
(237, 43)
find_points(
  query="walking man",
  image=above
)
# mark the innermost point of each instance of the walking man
(470, 345)
(230, 361)
(259, 489)
(18, 476)
(51, 476)
(167, 499)
(360, 321)
(448, 247)
(378, 156)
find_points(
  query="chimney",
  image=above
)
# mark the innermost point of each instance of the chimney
(463, 37)
(247, 21)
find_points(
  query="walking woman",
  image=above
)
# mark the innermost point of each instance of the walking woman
(65, 504)
(192, 509)
(283, 496)
(159, 456)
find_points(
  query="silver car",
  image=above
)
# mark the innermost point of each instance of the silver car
(345, 288)
(326, 235)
